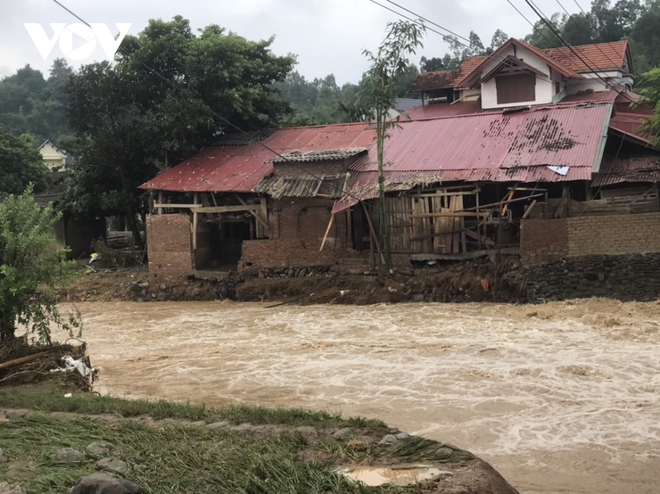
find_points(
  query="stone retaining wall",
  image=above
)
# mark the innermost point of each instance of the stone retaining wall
(634, 277)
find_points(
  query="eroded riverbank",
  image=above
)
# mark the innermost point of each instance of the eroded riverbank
(560, 398)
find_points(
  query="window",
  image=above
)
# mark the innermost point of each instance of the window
(515, 88)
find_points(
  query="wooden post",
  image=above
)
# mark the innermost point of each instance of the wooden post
(529, 210)
(327, 231)
(506, 206)
(349, 229)
(160, 201)
(478, 222)
(264, 213)
(194, 232)
(373, 233)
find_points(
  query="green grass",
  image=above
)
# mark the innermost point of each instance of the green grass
(176, 459)
(54, 401)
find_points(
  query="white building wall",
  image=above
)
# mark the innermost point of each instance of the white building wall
(545, 85)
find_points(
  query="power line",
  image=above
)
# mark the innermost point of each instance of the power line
(529, 22)
(595, 28)
(586, 16)
(500, 58)
(222, 119)
(554, 30)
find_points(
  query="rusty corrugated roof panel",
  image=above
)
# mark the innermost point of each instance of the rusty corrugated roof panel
(240, 168)
(544, 144)
(305, 186)
(326, 155)
(622, 170)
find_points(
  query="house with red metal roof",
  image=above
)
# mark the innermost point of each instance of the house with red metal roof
(512, 151)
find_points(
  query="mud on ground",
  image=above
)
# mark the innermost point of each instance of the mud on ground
(470, 281)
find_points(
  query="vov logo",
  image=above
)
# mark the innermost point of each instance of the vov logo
(65, 34)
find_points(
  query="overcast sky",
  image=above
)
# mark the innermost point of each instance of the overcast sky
(327, 35)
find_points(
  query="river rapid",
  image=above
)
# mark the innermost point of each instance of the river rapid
(559, 398)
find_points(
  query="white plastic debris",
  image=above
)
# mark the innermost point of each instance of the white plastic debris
(560, 170)
(71, 364)
(68, 395)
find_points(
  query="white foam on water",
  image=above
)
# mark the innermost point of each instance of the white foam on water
(574, 385)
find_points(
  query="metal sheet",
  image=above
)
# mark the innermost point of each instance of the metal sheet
(641, 169)
(241, 168)
(493, 147)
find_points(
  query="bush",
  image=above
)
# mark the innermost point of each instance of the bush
(31, 269)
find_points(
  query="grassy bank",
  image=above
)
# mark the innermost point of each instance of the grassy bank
(170, 448)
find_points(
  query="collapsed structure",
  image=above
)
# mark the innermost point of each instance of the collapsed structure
(535, 151)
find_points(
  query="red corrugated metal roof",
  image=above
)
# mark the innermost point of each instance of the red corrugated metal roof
(622, 170)
(491, 147)
(241, 168)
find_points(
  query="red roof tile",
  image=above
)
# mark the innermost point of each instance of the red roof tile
(444, 79)
(601, 56)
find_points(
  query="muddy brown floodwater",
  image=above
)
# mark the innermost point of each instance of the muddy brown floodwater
(560, 398)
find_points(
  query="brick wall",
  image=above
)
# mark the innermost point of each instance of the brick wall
(543, 240)
(169, 247)
(297, 227)
(614, 234)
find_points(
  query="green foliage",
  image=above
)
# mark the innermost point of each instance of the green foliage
(632, 20)
(31, 104)
(20, 164)
(388, 64)
(31, 268)
(462, 50)
(650, 92)
(130, 123)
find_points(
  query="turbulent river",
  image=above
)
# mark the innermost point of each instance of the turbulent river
(560, 398)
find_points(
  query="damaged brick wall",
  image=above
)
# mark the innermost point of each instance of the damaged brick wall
(297, 227)
(169, 247)
(543, 240)
(614, 234)
(546, 240)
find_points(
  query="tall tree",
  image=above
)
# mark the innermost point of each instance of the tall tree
(579, 30)
(542, 36)
(388, 64)
(169, 94)
(20, 164)
(650, 92)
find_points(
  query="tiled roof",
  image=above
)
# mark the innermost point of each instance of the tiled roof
(601, 56)
(325, 155)
(512, 41)
(444, 79)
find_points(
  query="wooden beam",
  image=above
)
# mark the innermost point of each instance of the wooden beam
(327, 231)
(481, 238)
(373, 232)
(229, 209)
(253, 211)
(529, 210)
(160, 200)
(508, 200)
(457, 214)
(176, 206)
(496, 204)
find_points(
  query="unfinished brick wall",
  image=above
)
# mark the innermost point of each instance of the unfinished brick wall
(614, 234)
(543, 240)
(169, 247)
(297, 227)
